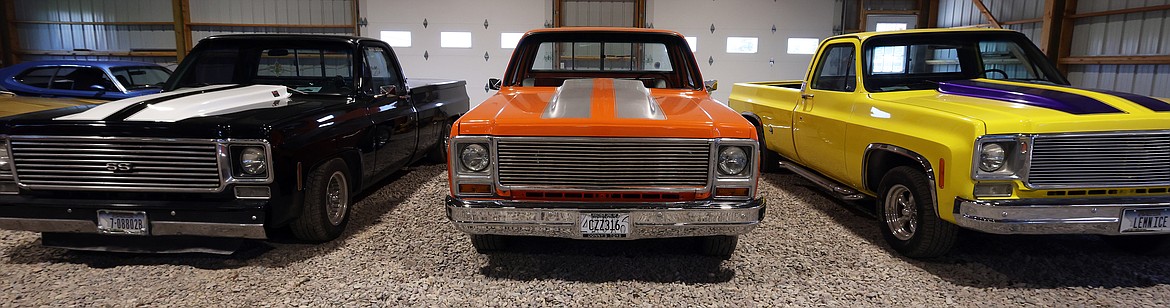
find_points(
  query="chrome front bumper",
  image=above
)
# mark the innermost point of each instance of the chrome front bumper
(648, 220)
(157, 228)
(1051, 216)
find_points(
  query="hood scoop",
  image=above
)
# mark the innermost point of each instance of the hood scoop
(595, 98)
(188, 103)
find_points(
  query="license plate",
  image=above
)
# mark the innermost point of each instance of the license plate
(1145, 220)
(122, 222)
(603, 225)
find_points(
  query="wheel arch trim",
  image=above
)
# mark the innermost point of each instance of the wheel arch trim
(927, 168)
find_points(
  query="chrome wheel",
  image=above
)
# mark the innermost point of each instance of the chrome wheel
(901, 213)
(336, 198)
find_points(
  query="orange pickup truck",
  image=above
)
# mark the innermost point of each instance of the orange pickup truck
(608, 134)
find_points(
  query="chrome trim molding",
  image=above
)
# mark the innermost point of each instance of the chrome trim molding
(926, 166)
(1094, 216)
(252, 231)
(647, 220)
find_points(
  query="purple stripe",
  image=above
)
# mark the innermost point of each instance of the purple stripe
(1146, 101)
(1056, 100)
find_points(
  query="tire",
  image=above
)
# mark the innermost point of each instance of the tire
(908, 220)
(721, 246)
(326, 208)
(485, 243)
(769, 160)
(438, 154)
(1149, 245)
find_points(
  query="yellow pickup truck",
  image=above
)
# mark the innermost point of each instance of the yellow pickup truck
(968, 128)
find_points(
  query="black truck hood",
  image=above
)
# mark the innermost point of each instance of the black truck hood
(215, 112)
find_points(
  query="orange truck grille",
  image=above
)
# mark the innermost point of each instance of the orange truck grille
(603, 163)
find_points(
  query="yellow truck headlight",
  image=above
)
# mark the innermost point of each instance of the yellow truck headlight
(991, 157)
(1000, 157)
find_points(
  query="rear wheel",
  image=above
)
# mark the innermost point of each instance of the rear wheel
(908, 219)
(438, 155)
(721, 246)
(1150, 245)
(326, 208)
(485, 243)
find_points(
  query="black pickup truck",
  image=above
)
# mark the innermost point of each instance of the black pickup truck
(252, 134)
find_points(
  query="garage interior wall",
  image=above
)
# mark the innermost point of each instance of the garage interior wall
(1133, 34)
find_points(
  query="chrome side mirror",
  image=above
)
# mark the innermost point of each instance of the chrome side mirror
(493, 84)
(711, 85)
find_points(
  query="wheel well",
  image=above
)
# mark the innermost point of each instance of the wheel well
(878, 162)
(752, 118)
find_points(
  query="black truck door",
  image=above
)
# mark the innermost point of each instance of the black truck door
(394, 117)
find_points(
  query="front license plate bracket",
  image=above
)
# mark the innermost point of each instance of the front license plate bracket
(1145, 220)
(123, 222)
(604, 225)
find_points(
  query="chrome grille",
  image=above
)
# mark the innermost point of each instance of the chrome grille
(1100, 160)
(85, 164)
(602, 163)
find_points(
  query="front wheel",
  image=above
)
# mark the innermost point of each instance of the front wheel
(721, 246)
(908, 218)
(326, 208)
(1149, 245)
(485, 243)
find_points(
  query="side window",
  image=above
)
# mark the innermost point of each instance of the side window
(835, 70)
(380, 69)
(82, 79)
(37, 77)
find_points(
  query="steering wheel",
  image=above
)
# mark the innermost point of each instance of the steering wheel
(994, 70)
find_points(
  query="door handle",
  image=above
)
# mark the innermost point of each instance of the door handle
(806, 95)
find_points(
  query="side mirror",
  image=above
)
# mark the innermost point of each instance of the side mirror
(390, 90)
(97, 87)
(493, 84)
(711, 85)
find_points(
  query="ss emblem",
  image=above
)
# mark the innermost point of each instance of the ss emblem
(119, 167)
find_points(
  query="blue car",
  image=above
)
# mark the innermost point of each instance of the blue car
(86, 79)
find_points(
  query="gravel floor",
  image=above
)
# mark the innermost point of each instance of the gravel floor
(401, 251)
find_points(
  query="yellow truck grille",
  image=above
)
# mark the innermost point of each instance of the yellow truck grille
(1100, 160)
(603, 163)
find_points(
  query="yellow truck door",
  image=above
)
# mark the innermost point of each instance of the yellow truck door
(826, 102)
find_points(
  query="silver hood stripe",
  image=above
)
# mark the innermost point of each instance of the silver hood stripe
(633, 101)
(574, 99)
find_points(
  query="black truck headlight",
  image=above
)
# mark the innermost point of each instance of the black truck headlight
(732, 160)
(253, 161)
(474, 157)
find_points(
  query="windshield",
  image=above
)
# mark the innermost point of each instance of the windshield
(140, 77)
(319, 69)
(894, 63)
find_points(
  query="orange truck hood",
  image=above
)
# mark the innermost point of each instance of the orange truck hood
(604, 107)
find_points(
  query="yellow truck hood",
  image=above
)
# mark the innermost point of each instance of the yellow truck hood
(1015, 107)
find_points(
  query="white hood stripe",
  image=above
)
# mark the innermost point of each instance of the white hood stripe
(105, 110)
(186, 104)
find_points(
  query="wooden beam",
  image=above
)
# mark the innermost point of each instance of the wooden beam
(1122, 11)
(1064, 41)
(215, 24)
(892, 12)
(1050, 29)
(1137, 60)
(98, 53)
(927, 13)
(98, 23)
(356, 11)
(861, 18)
(558, 5)
(987, 13)
(640, 14)
(182, 14)
(10, 36)
(1022, 21)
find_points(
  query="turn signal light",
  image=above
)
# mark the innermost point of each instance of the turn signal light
(475, 188)
(731, 192)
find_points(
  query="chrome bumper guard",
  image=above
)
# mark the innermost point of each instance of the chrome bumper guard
(157, 228)
(1056, 216)
(648, 220)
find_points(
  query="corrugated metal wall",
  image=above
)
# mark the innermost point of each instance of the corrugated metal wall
(615, 13)
(38, 32)
(37, 35)
(1115, 35)
(1120, 35)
